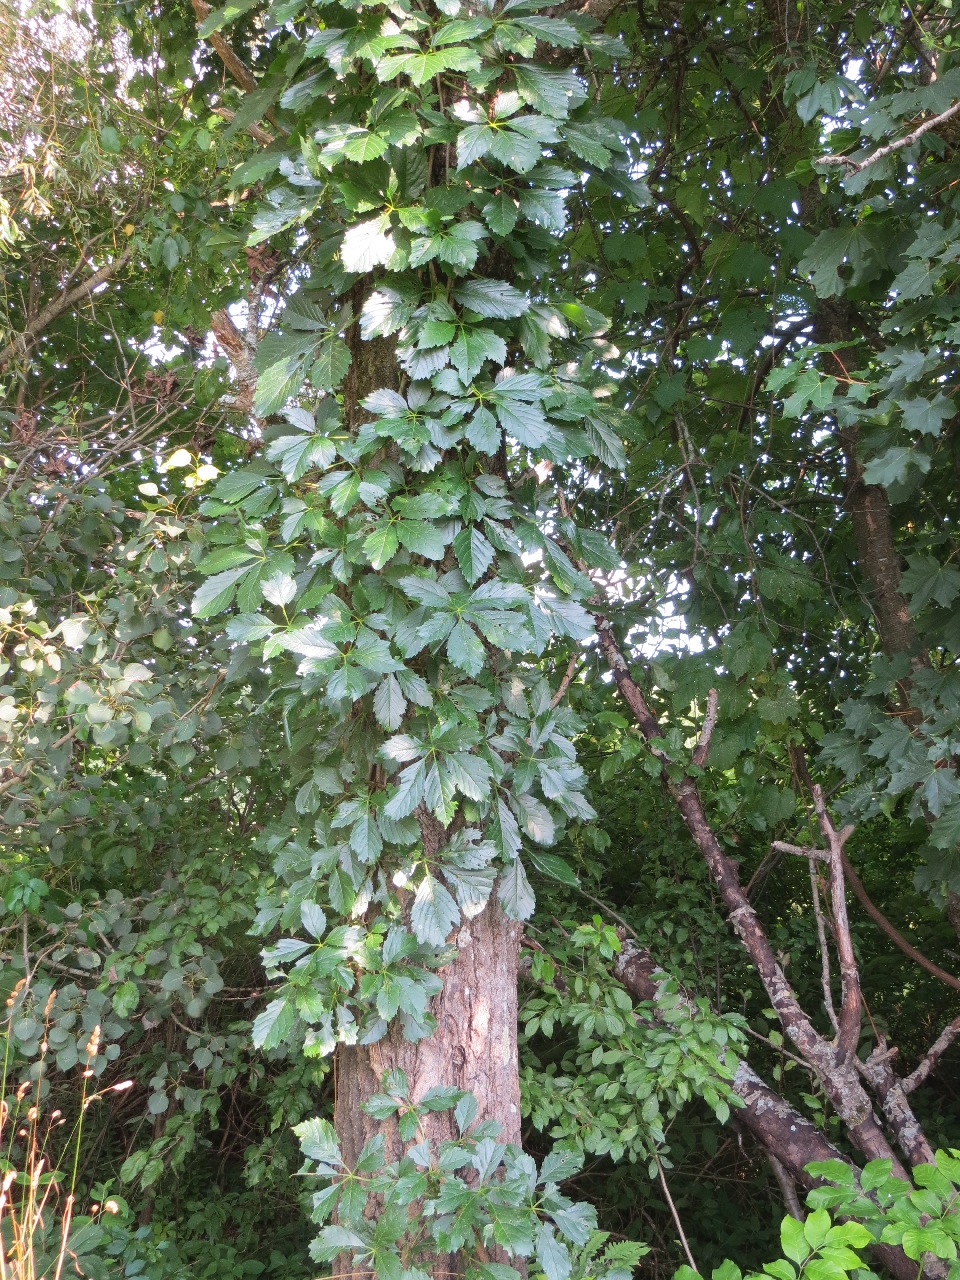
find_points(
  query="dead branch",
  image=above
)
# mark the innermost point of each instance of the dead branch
(702, 750)
(825, 979)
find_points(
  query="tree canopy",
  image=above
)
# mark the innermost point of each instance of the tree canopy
(479, 703)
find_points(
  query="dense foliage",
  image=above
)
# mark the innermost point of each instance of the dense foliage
(379, 378)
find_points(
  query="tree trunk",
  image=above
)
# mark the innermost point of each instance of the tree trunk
(474, 1047)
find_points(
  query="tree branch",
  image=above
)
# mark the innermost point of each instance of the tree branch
(857, 166)
(933, 1055)
(848, 1032)
(892, 933)
(63, 302)
(833, 1067)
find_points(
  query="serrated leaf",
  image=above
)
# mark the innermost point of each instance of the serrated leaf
(274, 1024)
(314, 920)
(422, 538)
(422, 67)
(366, 245)
(465, 648)
(382, 545)
(492, 299)
(473, 348)
(549, 91)
(515, 894)
(474, 553)
(501, 213)
(434, 912)
(217, 592)
(389, 704)
(553, 1256)
(549, 864)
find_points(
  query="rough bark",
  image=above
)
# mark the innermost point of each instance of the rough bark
(473, 1048)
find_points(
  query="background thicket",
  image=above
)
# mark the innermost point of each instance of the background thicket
(764, 346)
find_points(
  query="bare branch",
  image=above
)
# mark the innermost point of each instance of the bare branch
(254, 130)
(63, 302)
(237, 68)
(831, 1065)
(788, 1188)
(848, 1033)
(933, 1055)
(568, 675)
(857, 166)
(877, 916)
(800, 851)
(702, 750)
(825, 980)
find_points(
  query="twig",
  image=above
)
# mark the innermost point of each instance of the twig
(857, 166)
(877, 916)
(56, 306)
(848, 1032)
(673, 1210)
(824, 951)
(614, 915)
(933, 1055)
(788, 1188)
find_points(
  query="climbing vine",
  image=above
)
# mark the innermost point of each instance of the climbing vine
(402, 563)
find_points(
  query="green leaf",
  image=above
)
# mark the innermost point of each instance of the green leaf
(422, 538)
(895, 465)
(421, 67)
(516, 896)
(473, 142)
(278, 384)
(926, 579)
(549, 864)
(434, 912)
(473, 348)
(217, 592)
(474, 553)
(793, 1240)
(222, 17)
(553, 1256)
(492, 299)
(331, 363)
(549, 91)
(926, 416)
(314, 921)
(465, 648)
(366, 245)
(274, 1024)
(382, 545)
(389, 704)
(501, 213)
(839, 256)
